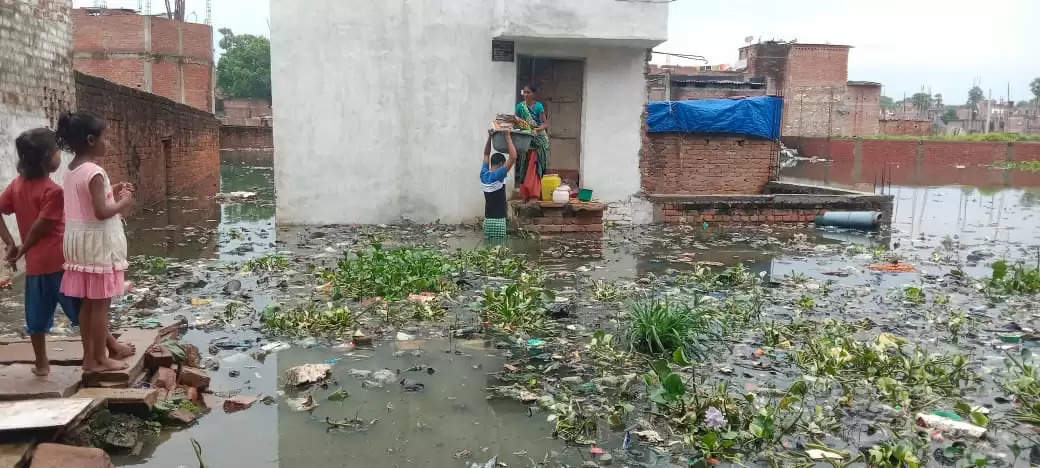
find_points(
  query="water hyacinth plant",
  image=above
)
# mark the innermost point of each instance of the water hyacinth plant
(656, 326)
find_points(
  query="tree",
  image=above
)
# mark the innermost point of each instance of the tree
(1034, 86)
(949, 116)
(922, 102)
(245, 68)
(975, 96)
(887, 102)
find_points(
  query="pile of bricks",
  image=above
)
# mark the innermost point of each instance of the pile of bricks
(550, 218)
(702, 164)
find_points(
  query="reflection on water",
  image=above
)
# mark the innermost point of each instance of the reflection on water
(204, 226)
(977, 206)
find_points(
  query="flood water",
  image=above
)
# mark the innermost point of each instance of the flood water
(453, 421)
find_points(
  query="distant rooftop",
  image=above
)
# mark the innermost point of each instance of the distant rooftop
(864, 83)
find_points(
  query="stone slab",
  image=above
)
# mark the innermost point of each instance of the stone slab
(41, 414)
(142, 339)
(63, 353)
(17, 382)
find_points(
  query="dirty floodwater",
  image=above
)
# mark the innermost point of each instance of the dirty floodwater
(455, 420)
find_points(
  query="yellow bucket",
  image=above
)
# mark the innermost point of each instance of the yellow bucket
(549, 183)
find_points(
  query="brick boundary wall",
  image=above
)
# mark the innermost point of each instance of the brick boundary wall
(165, 148)
(779, 208)
(550, 218)
(905, 127)
(235, 137)
(705, 163)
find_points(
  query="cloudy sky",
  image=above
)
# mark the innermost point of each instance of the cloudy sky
(944, 45)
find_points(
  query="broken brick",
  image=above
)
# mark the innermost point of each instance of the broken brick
(67, 456)
(238, 403)
(158, 356)
(164, 378)
(193, 377)
(181, 416)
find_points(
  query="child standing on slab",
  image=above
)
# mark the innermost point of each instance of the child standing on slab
(36, 202)
(95, 244)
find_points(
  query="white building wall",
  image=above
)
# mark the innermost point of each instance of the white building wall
(383, 107)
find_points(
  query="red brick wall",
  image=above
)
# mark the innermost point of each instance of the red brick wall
(242, 137)
(814, 90)
(165, 148)
(35, 63)
(697, 163)
(864, 110)
(116, 31)
(906, 127)
(119, 45)
(690, 92)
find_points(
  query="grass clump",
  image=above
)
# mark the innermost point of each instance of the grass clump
(519, 306)
(1029, 166)
(389, 273)
(309, 320)
(610, 291)
(988, 136)
(267, 263)
(657, 326)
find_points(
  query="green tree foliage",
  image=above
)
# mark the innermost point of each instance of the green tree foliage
(887, 102)
(1034, 86)
(921, 102)
(949, 116)
(245, 68)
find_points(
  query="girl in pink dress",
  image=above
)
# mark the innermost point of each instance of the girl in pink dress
(94, 244)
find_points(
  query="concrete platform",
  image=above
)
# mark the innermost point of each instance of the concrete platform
(62, 353)
(42, 414)
(17, 382)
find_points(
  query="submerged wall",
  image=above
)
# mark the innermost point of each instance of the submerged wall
(390, 119)
(164, 148)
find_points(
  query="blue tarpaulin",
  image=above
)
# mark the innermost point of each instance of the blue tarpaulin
(757, 116)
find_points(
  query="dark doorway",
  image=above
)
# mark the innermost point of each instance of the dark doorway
(560, 85)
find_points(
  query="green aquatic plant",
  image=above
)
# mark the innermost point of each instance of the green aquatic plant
(309, 320)
(154, 266)
(1014, 279)
(610, 291)
(267, 263)
(895, 454)
(496, 261)
(913, 295)
(390, 273)
(519, 306)
(1023, 383)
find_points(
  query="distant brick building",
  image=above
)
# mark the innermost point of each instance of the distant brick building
(170, 58)
(813, 79)
(913, 127)
(250, 112)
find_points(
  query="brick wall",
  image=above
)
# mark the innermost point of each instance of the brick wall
(814, 90)
(759, 209)
(234, 137)
(863, 103)
(697, 163)
(155, 54)
(906, 127)
(236, 109)
(692, 92)
(35, 71)
(165, 148)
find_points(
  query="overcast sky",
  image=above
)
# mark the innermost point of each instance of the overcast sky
(944, 45)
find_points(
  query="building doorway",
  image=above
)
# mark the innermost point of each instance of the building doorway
(560, 87)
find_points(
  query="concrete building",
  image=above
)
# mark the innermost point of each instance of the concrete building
(173, 59)
(389, 120)
(819, 100)
(672, 83)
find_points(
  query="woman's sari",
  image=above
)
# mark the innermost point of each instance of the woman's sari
(539, 145)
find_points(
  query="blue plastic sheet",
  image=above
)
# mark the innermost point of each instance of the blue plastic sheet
(756, 116)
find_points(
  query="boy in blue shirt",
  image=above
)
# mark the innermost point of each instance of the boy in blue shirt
(493, 179)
